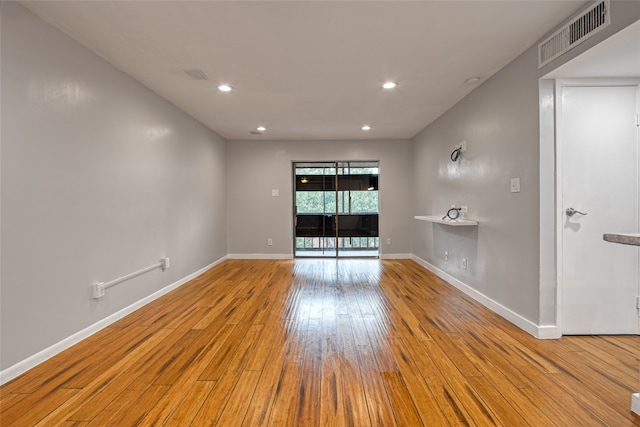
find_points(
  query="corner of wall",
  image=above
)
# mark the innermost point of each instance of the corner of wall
(541, 332)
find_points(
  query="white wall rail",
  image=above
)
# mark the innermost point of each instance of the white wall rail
(100, 288)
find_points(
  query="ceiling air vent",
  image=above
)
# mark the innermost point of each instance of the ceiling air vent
(586, 24)
(196, 74)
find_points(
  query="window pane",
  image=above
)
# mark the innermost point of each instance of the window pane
(318, 202)
(364, 202)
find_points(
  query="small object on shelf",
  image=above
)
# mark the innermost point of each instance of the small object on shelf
(446, 221)
(453, 213)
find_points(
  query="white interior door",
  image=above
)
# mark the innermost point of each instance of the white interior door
(599, 155)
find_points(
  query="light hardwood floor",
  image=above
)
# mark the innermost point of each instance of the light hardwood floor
(325, 343)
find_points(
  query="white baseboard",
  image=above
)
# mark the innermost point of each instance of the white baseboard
(290, 256)
(635, 403)
(528, 326)
(548, 332)
(260, 256)
(32, 361)
(395, 256)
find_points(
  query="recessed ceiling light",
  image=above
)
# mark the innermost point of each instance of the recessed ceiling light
(366, 127)
(472, 80)
(261, 128)
(224, 88)
(389, 85)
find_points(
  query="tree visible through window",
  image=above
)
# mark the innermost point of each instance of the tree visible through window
(355, 227)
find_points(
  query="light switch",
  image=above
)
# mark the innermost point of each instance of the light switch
(515, 185)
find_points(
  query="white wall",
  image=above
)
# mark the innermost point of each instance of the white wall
(254, 168)
(100, 177)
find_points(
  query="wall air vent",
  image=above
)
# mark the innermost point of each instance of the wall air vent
(593, 19)
(196, 74)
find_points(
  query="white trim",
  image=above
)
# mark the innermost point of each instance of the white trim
(559, 85)
(635, 403)
(395, 256)
(36, 359)
(290, 256)
(548, 332)
(511, 316)
(598, 82)
(260, 256)
(547, 191)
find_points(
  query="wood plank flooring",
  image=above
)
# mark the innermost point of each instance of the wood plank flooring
(325, 343)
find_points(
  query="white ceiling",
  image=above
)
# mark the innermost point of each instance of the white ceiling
(309, 69)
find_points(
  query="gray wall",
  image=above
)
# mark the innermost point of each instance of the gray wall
(100, 177)
(500, 120)
(254, 168)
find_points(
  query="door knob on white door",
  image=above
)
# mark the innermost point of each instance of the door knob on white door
(572, 212)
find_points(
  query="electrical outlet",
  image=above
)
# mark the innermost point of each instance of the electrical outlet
(388, 240)
(269, 242)
(275, 193)
(98, 290)
(446, 255)
(165, 263)
(464, 263)
(464, 209)
(463, 146)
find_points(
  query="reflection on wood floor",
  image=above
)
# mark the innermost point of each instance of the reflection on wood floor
(325, 342)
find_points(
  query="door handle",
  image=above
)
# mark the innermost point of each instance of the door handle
(572, 212)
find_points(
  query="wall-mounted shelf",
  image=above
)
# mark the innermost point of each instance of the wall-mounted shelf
(452, 222)
(623, 238)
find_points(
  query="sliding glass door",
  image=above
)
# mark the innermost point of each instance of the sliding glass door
(336, 209)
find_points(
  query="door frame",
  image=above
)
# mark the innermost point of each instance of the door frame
(294, 209)
(559, 213)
